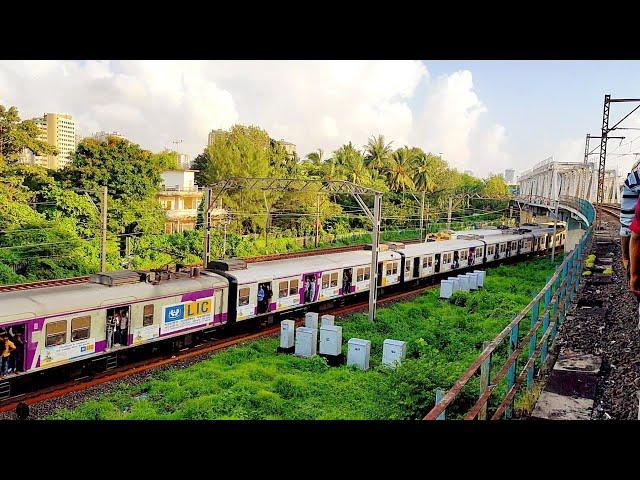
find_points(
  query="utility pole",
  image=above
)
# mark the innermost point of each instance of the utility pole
(449, 213)
(603, 148)
(375, 239)
(266, 223)
(103, 230)
(555, 220)
(177, 142)
(317, 239)
(207, 227)
(422, 218)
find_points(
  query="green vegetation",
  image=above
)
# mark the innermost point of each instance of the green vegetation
(50, 221)
(251, 381)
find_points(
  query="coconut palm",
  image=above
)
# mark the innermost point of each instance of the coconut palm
(399, 170)
(422, 177)
(377, 152)
(315, 157)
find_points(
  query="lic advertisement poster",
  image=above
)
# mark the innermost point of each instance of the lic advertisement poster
(186, 315)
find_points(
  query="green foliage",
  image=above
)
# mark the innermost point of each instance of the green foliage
(251, 381)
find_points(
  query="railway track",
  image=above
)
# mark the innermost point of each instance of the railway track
(211, 346)
(263, 258)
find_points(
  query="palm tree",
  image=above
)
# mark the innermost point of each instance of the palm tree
(422, 177)
(399, 170)
(377, 152)
(315, 157)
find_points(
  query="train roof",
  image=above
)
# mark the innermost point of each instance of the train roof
(48, 301)
(274, 269)
(426, 248)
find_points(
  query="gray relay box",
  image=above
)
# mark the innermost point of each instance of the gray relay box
(287, 333)
(330, 340)
(393, 352)
(358, 353)
(306, 341)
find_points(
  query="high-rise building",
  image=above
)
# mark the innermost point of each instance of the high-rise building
(102, 136)
(509, 175)
(59, 130)
(213, 134)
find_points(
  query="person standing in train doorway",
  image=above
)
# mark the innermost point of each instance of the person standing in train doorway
(312, 289)
(7, 347)
(124, 325)
(116, 330)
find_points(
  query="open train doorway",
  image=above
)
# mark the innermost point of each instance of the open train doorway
(118, 322)
(346, 280)
(13, 349)
(416, 267)
(436, 266)
(264, 297)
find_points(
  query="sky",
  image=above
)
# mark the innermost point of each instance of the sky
(483, 116)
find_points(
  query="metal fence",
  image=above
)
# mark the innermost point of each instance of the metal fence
(554, 300)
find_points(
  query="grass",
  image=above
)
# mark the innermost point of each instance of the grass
(251, 381)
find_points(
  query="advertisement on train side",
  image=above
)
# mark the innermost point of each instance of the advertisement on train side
(60, 353)
(186, 315)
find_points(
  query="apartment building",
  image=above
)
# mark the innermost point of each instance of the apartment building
(59, 130)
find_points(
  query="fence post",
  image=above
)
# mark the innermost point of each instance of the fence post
(439, 396)
(545, 325)
(511, 374)
(532, 344)
(485, 376)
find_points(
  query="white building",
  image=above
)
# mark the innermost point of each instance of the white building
(59, 130)
(103, 136)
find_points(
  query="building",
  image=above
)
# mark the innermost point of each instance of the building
(213, 134)
(103, 136)
(509, 176)
(290, 148)
(468, 172)
(181, 197)
(184, 161)
(59, 130)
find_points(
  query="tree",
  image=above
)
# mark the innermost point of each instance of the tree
(15, 135)
(495, 186)
(399, 170)
(132, 179)
(377, 152)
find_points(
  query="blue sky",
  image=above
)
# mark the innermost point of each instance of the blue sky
(482, 115)
(545, 103)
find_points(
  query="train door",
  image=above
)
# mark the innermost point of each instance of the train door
(380, 272)
(436, 268)
(14, 363)
(264, 297)
(347, 280)
(416, 267)
(118, 322)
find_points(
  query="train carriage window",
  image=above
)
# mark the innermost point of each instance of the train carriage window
(56, 333)
(293, 287)
(243, 296)
(503, 247)
(407, 265)
(325, 280)
(394, 268)
(491, 249)
(388, 269)
(367, 273)
(334, 279)
(463, 254)
(359, 274)
(147, 315)
(80, 328)
(283, 290)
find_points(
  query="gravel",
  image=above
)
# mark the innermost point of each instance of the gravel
(610, 332)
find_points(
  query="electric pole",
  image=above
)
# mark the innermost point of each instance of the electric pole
(317, 240)
(177, 142)
(103, 230)
(207, 227)
(603, 147)
(449, 213)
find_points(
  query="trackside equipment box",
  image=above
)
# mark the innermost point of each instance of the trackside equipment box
(473, 281)
(311, 320)
(446, 288)
(455, 282)
(358, 353)
(330, 340)
(464, 283)
(327, 320)
(306, 342)
(481, 274)
(393, 352)
(287, 333)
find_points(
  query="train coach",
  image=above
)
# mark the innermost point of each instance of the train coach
(90, 326)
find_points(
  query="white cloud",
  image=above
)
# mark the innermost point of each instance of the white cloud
(314, 104)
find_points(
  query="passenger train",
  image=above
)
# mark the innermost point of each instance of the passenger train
(77, 327)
